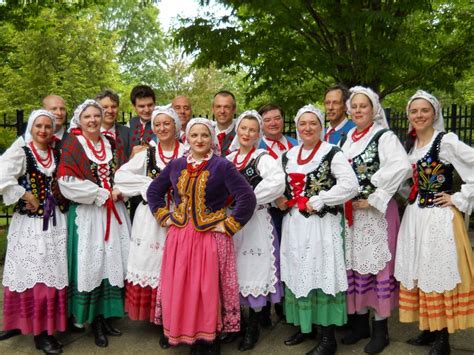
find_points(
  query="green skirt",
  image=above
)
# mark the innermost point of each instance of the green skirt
(105, 300)
(317, 308)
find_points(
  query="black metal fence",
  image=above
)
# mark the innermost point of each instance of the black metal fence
(458, 119)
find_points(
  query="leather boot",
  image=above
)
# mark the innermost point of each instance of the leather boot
(252, 332)
(213, 348)
(99, 332)
(7, 334)
(424, 338)
(47, 344)
(359, 328)
(327, 344)
(264, 315)
(379, 339)
(109, 330)
(441, 343)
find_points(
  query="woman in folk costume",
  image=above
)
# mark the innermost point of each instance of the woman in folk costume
(35, 274)
(256, 244)
(434, 261)
(381, 165)
(198, 294)
(148, 237)
(98, 223)
(319, 180)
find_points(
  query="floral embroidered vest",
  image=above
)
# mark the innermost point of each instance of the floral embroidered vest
(366, 164)
(320, 179)
(98, 174)
(432, 175)
(36, 182)
(152, 170)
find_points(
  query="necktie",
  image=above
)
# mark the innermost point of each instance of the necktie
(220, 138)
(280, 145)
(328, 134)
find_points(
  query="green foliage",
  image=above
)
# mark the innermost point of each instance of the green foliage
(7, 136)
(293, 49)
(58, 54)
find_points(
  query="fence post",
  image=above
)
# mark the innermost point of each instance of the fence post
(453, 118)
(19, 122)
(388, 112)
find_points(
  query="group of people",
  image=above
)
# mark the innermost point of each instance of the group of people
(231, 216)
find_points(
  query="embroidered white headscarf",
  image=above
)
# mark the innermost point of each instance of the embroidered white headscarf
(438, 122)
(169, 111)
(251, 113)
(319, 115)
(31, 120)
(379, 113)
(76, 118)
(201, 120)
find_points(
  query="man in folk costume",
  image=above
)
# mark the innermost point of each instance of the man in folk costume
(110, 102)
(55, 104)
(98, 223)
(335, 99)
(182, 105)
(223, 109)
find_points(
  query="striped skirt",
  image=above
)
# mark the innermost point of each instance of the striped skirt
(453, 309)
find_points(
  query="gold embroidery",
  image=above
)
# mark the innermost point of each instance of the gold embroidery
(195, 200)
(231, 225)
(161, 213)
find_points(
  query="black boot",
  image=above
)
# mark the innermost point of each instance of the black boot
(424, 338)
(48, 344)
(379, 339)
(213, 348)
(441, 343)
(297, 338)
(99, 332)
(359, 328)
(328, 344)
(7, 334)
(264, 315)
(164, 343)
(252, 332)
(196, 348)
(109, 330)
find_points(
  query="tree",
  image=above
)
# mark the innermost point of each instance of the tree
(56, 53)
(292, 49)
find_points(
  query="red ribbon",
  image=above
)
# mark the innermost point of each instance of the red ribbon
(414, 187)
(109, 205)
(328, 134)
(348, 213)
(297, 182)
(280, 145)
(220, 138)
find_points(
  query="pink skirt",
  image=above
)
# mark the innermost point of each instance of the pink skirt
(198, 296)
(380, 291)
(36, 310)
(140, 302)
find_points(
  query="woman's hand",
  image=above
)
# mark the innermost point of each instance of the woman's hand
(281, 203)
(442, 199)
(360, 204)
(32, 203)
(219, 227)
(116, 195)
(168, 222)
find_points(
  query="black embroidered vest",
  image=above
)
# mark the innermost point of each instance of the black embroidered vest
(112, 168)
(250, 172)
(366, 164)
(320, 179)
(433, 175)
(152, 170)
(36, 182)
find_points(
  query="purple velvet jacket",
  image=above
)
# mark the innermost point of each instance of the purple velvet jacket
(202, 199)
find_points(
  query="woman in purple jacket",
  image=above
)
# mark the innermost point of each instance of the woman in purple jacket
(198, 296)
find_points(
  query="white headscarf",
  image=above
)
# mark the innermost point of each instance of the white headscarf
(251, 113)
(31, 120)
(169, 111)
(312, 109)
(201, 120)
(76, 118)
(379, 113)
(438, 122)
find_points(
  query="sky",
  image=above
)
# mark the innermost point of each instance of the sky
(171, 9)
